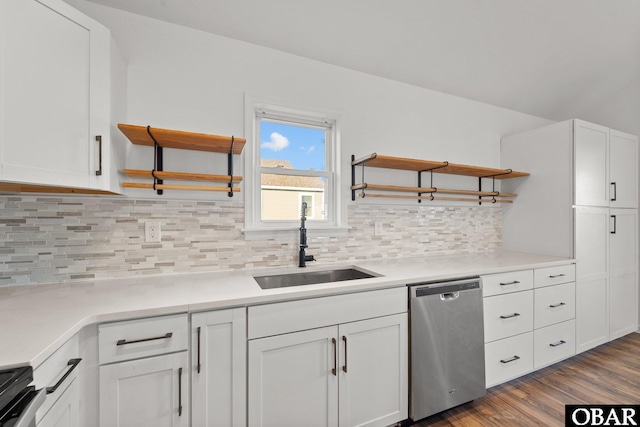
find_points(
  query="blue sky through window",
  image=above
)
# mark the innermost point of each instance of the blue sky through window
(303, 146)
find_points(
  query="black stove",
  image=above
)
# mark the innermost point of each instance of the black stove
(15, 393)
(12, 382)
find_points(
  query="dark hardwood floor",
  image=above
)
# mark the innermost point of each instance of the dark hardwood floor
(608, 374)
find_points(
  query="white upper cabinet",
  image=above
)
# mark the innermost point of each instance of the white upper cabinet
(623, 172)
(55, 96)
(591, 145)
(605, 166)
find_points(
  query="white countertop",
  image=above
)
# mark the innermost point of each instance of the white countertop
(35, 320)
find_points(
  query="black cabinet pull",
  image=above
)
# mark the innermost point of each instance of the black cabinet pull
(615, 224)
(72, 363)
(199, 349)
(163, 337)
(99, 139)
(615, 191)
(555, 344)
(556, 276)
(515, 282)
(180, 392)
(510, 316)
(335, 357)
(344, 368)
(512, 359)
(560, 304)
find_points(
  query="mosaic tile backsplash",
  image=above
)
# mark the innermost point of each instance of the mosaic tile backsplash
(46, 239)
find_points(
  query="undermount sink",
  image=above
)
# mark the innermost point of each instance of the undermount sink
(310, 278)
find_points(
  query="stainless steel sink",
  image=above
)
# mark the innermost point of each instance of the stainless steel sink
(310, 278)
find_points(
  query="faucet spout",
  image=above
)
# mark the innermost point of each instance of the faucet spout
(302, 257)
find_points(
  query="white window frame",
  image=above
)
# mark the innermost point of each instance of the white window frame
(335, 219)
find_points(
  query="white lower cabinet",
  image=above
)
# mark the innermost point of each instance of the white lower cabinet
(335, 373)
(508, 358)
(145, 392)
(144, 372)
(60, 375)
(373, 371)
(353, 374)
(66, 411)
(526, 329)
(218, 368)
(553, 343)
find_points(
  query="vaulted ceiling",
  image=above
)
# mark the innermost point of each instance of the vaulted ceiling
(550, 58)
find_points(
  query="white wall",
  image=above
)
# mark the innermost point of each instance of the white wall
(180, 78)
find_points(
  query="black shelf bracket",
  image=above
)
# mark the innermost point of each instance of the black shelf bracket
(353, 178)
(230, 166)
(493, 185)
(430, 179)
(157, 162)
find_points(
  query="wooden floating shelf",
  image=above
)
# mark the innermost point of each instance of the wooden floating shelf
(396, 188)
(416, 165)
(429, 198)
(181, 176)
(160, 139)
(430, 167)
(182, 140)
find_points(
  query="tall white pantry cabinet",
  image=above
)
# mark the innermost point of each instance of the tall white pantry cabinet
(580, 201)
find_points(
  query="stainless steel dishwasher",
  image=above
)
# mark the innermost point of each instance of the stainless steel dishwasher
(447, 345)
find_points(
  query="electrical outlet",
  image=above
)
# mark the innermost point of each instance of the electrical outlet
(377, 228)
(152, 232)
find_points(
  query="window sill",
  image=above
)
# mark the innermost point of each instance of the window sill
(274, 233)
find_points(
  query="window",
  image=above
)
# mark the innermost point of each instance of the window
(292, 159)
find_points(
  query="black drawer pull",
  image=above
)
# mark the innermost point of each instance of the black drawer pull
(163, 337)
(513, 359)
(180, 392)
(515, 282)
(72, 363)
(555, 344)
(560, 304)
(510, 316)
(199, 365)
(556, 276)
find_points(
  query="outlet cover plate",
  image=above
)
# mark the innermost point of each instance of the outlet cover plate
(152, 232)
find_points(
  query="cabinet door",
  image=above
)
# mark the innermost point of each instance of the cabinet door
(293, 379)
(65, 412)
(218, 368)
(623, 286)
(54, 84)
(373, 371)
(623, 170)
(145, 392)
(591, 151)
(592, 276)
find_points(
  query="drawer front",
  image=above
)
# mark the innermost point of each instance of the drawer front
(508, 358)
(554, 304)
(281, 318)
(51, 372)
(137, 338)
(554, 343)
(508, 315)
(504, 283)
(554, 275)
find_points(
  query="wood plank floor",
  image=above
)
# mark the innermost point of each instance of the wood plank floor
(608, 374)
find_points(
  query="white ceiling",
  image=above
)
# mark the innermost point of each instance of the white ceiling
(550, 58)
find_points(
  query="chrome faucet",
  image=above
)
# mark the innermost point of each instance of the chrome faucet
(303, 258)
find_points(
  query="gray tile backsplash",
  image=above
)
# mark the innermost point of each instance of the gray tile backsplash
(47, 239)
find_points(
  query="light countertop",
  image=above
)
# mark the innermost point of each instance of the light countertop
(35, 320)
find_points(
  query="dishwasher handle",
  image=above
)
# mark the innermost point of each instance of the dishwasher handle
(447, 290)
